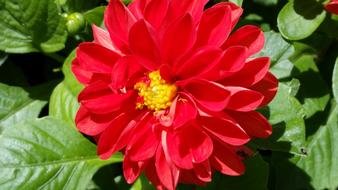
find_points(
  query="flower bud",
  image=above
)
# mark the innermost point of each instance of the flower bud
(75, 23)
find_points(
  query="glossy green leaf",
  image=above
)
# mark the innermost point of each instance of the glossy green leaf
(254, 178)
(299, 19)
(284, 106)
(70, 81)
(319, 168)
(63, 104)
(30, 26)
(279, 52)
(335, 81)
(323, 153)
(17, 106)
(47, 154)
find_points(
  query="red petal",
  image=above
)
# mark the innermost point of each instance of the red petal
(203, 171)
(150, 172)
(155, 11)
(137, 7)
(189, 177)
(236, 11)
(178, 149)
(226, 161)
(143, 42)
(212, 96)
(252, 72)
(178, 38)
(98, 98)
(95, 58)
(118, 21)
(166, 73)
(225, 129)
(185, 151)
(131, 170)
(243, 99)
(116, 136)
(201, 61)
(81, 74)
(232, 61)
(185, 111)
(102, 38)
(87, 123)
(144, 142)
(123, 71)
(250, 36)
(167, 173)
(268, 86)
(332, 7)
(253, 123)
(181, 7)
(182, 110)
(214, 27)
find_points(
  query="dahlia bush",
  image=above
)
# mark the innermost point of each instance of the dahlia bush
(168, 94)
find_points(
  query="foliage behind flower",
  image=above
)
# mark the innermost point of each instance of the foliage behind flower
(173, 89)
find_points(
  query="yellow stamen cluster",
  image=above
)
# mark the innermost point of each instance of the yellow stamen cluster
(157, 95)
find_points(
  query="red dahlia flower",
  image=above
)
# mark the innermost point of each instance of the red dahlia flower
(332, 6)
(173, 89)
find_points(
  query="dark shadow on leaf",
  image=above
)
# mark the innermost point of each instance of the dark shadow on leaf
(272, 142)
(286, 175)
(309, 9)
(104, 178)
(277, 132)
(311, 86)
(314, 122)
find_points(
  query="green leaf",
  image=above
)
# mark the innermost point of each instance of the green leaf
(299, 19)
(95, 16)
(314, 93)
(63, 104)
(18, 106)
(254, 178)
(288, 136)
(322, 156)
(317, 170)
(30, 26)
(70, 81)
(237, 2)
(47, 154)
(284, 107)
(279, 52)
(335, 81)
(286, 114)
(266, 2)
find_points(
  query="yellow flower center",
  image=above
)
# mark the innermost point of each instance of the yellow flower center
(157, 95)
